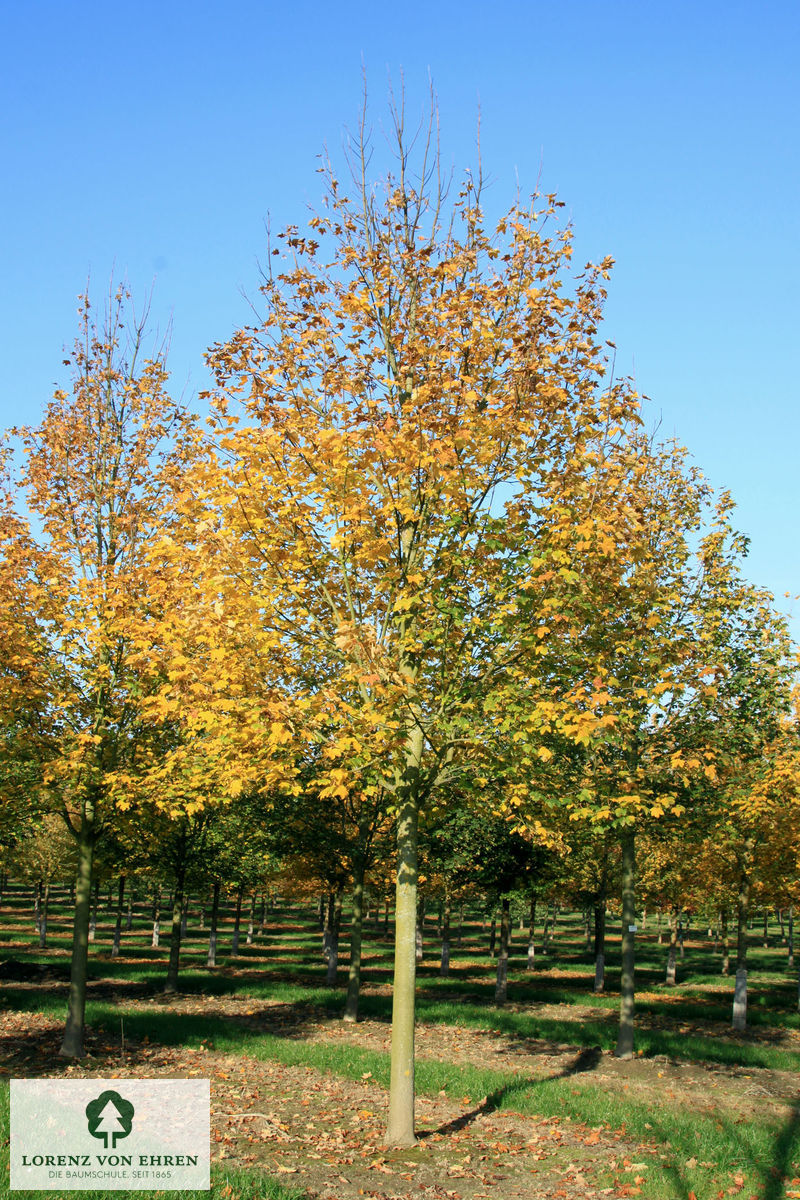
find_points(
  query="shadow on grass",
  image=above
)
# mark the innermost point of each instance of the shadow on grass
(586, 1060)
(770, 1156)
(152, 1028)
(782, 1168)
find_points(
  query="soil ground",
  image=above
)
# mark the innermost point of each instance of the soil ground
(324, 1134)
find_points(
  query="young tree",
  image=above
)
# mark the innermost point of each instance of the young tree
(405, 442)
(95, 473)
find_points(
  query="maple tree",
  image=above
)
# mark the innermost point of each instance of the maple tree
(751, 725)
(650, 645)
(94, 476)
(404, 446)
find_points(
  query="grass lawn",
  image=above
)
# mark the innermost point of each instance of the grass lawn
(525, 1100)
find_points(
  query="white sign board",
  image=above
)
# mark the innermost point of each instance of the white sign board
(125, 1134)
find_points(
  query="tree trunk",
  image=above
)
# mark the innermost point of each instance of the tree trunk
(37, 905)
(726, 941)
(493, 935)
(93, 917)
(546, 928)
(72, 1045)
(532, 935)
(672, 959)
(251, 923)
(400, 1130)
(600, 945)
(211, 961)
(356, 934)
(237, 920)
(333, 955)
(156, 916)
(790, 936)
(444, 965)
(680, 933)
(45, 904)
(624, 1047)
(418, 942)
(118, 921)
(327, 925)
(740, 988)
(129, 915)
(173, 967)
(501, 983)
(766, 929)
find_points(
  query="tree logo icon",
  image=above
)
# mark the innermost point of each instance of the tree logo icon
(109, 1116)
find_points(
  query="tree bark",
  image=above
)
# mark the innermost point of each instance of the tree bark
(173, 967)
(624, 1047)
(501, 982)
(672, 959)
(739, 1021)
(211, 961)
(93, 917)
(356, 935)
(444, 965)
(115, 948)
(400, 1130)
(493, 935)
(237, 920)
(156, 916)
(327, 925)
(546, 928)
(726, 942)
(45, 904)
(333, 955)
(790, 935)
(73, 1043)
(251, 923)
(600, 944)
(531, 963)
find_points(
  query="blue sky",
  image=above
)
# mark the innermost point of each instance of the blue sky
(154, 140)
